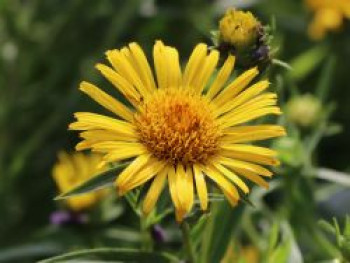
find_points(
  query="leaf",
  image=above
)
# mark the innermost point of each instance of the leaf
(346, 232)
(99, 181)
(273, 238)
(282, 252)
(29, 251)
(325, 80)
(333, 176)
(217, 235)
(115, 254)
(305, 63)
(326, 226)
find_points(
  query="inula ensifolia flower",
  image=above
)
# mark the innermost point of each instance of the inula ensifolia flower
(240, 33)
(329, 16)
(180, 128)
(73, 169)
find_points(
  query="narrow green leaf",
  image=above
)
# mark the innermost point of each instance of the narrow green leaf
(273, 238)
(282, 252)
(308, 61)
(219, 230)
(337, 231)
(325, 80)
(333, 176)
(29, 251)
(282, 64)
(346, 232)
(99, 181)
(115, 254)
(326, 226)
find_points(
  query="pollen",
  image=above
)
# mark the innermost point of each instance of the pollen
(178, 126)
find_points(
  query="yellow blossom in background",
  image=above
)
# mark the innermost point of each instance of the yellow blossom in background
(329, 15)
(239, 28)
(246, 254)
(73, 169)
(176, 132)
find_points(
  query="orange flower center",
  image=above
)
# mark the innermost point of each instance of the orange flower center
(178, 126)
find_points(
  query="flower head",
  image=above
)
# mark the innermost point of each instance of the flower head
(329, 16)
(239, 28)
(72, 170)
(241, 34)
(176, 131)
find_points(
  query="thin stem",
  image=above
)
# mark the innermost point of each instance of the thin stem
(185, 228)
(146, 238)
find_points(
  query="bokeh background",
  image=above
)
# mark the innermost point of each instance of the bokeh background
(48, 47)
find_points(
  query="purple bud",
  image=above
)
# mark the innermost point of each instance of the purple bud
(261, 53)
(158, 234)
(61, 217)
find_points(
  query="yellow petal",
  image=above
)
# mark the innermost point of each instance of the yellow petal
(236, 164)
(241, 134)
(133, 168)
(227, 187)
(232, 176)
(194, 64)
(247, 108)
(233, 120)
(121, 64)
(184, 186)
(107, 101)
(105, 135)
(236, 86)
(152, 168)
(189, 188)
(201, 187)
(250, 153)
(121, 153)
(206, 71)
(120, 83)
(245, 96)
(160, 64)
(222, 77)
(253, 177)
(143, 66)
(155, 191)
(93, 121)
(174, 193)
(173, 67)
(108, 146)
(92, 137)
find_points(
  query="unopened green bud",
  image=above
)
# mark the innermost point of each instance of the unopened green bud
(304, 111)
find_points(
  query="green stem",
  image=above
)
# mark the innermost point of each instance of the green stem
(146, 238)
(185, 228)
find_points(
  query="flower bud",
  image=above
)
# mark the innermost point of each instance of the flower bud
(241, 34)
(304, 110)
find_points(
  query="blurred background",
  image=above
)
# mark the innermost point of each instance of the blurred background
(48, 47)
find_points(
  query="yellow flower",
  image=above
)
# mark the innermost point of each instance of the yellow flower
(329, 15)
(238, 28)
(72, 170)
(177, 132)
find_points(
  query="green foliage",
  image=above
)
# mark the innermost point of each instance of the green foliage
(108, 254)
